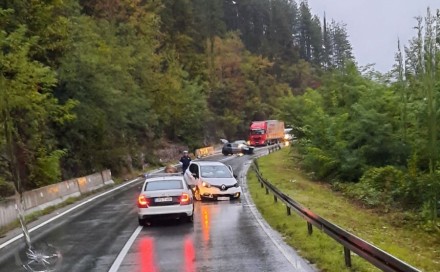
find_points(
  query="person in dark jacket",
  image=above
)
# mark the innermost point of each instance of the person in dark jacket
(184, 161)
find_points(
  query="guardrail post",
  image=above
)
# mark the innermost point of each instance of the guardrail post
(383, 260)
(275, 199)
(309, 228)
(347, 257)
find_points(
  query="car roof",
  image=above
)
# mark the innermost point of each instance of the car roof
(209, 163)
(163, 176)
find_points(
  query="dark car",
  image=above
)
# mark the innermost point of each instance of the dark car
(237, 147)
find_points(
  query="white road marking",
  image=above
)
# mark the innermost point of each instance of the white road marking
(293, 261)
(117, 263)
(72, 209)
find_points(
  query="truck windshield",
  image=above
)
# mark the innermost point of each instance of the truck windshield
(257, 131)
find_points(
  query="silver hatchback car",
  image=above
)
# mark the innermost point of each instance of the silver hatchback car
(165, 196)
(212, 180)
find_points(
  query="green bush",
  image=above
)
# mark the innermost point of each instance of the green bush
(6, 189)
(318, 163)
(386, 179)
(47, 168)
(382, 186)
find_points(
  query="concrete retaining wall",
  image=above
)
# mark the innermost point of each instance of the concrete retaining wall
(54, 194)
(7, 211)
(107, 176)
(90, 183)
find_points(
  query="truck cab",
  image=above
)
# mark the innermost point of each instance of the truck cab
(257, 134)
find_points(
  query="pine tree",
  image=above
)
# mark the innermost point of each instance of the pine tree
(305, 31)
(342, 49)
(327, 55)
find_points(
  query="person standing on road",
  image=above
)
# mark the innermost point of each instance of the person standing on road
(184, 161)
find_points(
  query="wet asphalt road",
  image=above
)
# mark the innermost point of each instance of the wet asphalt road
(225, 236)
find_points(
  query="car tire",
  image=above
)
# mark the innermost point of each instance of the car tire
(142, 222)
(190, 219)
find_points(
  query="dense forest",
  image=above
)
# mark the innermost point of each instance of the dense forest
(87, 85)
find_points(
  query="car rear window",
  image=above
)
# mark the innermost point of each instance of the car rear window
(158, 185)
(215, 171)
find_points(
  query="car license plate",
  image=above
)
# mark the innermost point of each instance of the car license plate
(223, 198)
(163, 199)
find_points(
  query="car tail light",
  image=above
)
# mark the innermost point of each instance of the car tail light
(142, 201)
(185, 199)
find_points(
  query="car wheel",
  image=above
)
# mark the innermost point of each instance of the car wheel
(190, 219)
(142, 222)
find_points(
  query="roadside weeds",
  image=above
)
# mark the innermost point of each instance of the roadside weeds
(411, 245)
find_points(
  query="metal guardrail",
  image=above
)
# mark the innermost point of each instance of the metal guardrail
(350, 242)
(273, 148)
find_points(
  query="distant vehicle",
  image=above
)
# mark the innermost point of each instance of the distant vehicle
(212, 180)
(165, 196)
(237, 147)
(266, 132)
(288, 135)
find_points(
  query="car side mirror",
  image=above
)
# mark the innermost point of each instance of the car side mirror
(235, 176)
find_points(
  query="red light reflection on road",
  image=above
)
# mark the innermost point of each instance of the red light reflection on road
(146, 249)
(189, 255)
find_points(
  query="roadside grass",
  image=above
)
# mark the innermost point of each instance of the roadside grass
(410, 244)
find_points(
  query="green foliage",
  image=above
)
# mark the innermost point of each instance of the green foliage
(189, 114)
(115, 109)
(396, 232)
(346, 126)
(6, 189)
(27, 108)
(243, 88)
(87, 85)
(47, 168)
(319, 163)
(380, 186)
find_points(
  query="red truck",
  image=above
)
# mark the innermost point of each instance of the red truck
(266, 132)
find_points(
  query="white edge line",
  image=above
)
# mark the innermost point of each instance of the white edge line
(280, 248)
(71, 209)
(117, 263)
